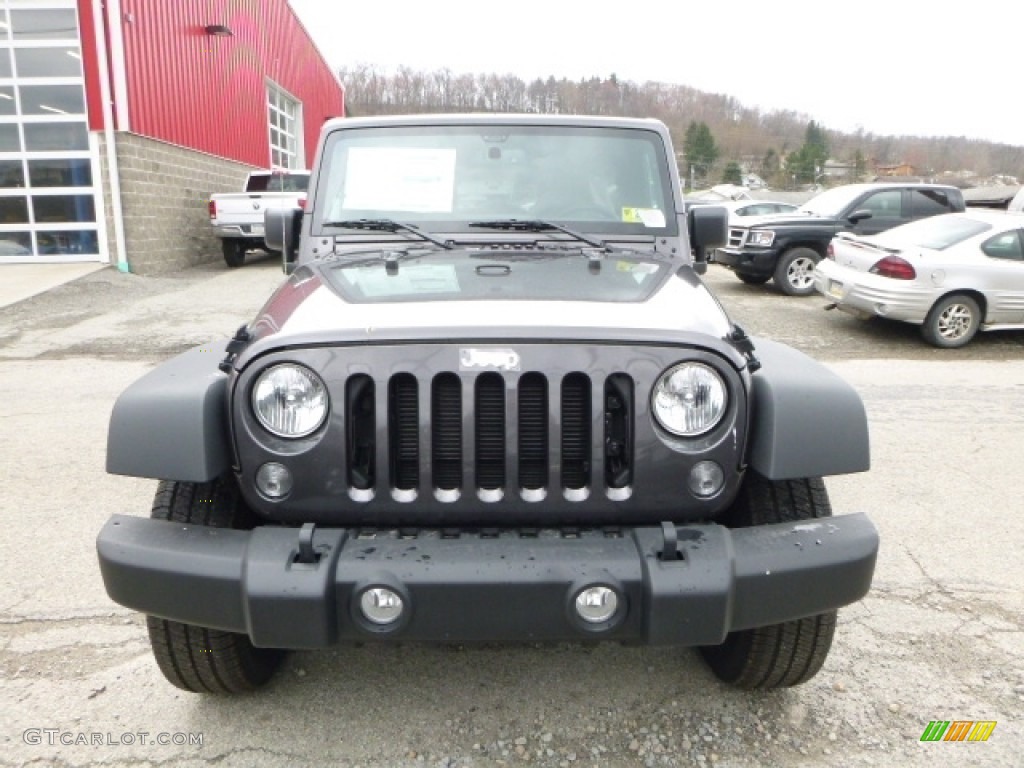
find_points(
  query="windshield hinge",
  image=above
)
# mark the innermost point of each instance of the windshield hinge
(745, 347)
(238, 342)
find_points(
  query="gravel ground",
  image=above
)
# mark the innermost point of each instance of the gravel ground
(938, 638)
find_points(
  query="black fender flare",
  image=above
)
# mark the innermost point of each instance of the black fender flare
(806, 420)
(172, 423)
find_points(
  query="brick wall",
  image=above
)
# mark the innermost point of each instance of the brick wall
(164, 194)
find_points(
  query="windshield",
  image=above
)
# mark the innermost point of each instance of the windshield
(278, 182)
(831, 202)
(936, 233)
(446, 177)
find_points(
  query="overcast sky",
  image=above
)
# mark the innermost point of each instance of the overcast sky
(890, 66)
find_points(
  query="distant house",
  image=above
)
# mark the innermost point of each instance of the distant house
(838, 170)
(899, 169)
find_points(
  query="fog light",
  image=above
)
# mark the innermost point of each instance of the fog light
(596, 605)
(706, 479)
(381, 605)
(274, 480)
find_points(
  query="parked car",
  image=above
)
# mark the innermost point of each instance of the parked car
(479, 413)
(743, 208)
(237, 217)
(1017, 204)
(954, 275)
(738, 210)
(785, 247)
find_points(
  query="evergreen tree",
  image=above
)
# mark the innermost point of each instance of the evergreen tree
(809, 161)
(733, 174)
(699, 149)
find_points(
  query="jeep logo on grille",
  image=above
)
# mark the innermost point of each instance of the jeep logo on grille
(471, 358)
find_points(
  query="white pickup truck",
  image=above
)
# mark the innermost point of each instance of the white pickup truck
(237, 217)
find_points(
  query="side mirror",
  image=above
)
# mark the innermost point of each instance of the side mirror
(281, 227)
(860, 215)
(709, 228)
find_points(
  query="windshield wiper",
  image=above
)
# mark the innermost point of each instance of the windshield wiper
(388, 225)
(538, 225)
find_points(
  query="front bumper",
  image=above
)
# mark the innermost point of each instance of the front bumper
(487, 587)
(747, 261)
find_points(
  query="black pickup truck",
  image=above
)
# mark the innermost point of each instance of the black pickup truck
(785, 247)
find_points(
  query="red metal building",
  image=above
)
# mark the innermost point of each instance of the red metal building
(136, 111)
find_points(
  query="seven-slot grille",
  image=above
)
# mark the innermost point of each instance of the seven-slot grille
(491, 434)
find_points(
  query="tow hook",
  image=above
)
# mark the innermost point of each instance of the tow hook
(307, 554)
(669, 544)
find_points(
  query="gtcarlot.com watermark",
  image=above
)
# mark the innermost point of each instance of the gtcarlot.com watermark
(56, 736)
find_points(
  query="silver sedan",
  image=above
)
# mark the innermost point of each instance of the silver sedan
(953, 275)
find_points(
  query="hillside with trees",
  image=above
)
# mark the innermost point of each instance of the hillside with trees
(781, 146)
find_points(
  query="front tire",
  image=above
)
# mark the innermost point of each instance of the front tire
(952, 322)
(199, 659)
(790, 653)
(794, 273)
(234, 251)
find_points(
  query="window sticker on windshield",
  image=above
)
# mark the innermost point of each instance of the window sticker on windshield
(635, 268)
(639, 272)
(400, 179)
(649, 217)
(411, 280)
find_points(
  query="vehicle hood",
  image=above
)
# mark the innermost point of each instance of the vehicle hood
(607, 297)
(776, 220)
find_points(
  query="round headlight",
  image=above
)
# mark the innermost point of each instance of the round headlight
(289, 400)
(689, 399)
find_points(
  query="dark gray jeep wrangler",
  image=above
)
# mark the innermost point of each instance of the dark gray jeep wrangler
(493, 403)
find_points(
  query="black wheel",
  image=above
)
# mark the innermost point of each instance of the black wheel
(753, 279)
(792, 652)
(234, 251)
(194, 658)
(794, 274)
(952, 322)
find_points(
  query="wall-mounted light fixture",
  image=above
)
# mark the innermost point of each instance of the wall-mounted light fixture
(219, 30)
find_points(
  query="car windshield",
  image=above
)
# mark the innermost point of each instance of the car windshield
(936, 232)
(831, 202)
(278, 182)
(447, 177)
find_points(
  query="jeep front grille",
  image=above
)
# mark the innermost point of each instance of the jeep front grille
(526, 434)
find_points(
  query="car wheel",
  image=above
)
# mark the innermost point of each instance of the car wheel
(234, 251)
(794, 274)
(200, 659)
(754, 279)
(952, 322)
(792, 652)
